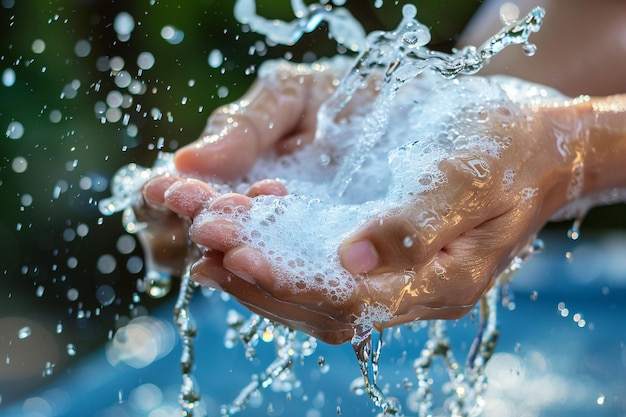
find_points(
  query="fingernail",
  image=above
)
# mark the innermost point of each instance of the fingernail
(208, 282)
(243, 275)
(359, 257)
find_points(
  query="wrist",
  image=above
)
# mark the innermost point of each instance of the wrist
(590, 141)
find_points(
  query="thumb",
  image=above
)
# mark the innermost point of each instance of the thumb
(405, 239)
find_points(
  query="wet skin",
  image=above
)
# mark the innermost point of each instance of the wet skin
(478, 224)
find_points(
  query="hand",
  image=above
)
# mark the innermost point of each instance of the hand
(462, 234)
(277, 113)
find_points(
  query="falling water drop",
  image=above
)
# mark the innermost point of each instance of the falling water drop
(215, 58)
(124, 24)
(24, 332)
(15, 130)
(529, 49)
(70, 349)
(574, 231)
(8, 77)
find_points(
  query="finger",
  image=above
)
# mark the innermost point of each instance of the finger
(237, 134)
(187, 197)
(165, 236)
(267, 187)
(209, 271)
(153, 191)
(218, 227)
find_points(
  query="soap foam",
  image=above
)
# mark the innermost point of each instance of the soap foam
(431, 119)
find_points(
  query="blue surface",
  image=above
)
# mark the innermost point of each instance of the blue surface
(547, 364)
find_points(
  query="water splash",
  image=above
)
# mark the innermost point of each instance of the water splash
(189, 397)
(290, 346)
(342, 26)
(402, 55)
(125, 189)
(388, 60)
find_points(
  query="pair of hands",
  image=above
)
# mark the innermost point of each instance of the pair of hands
(476, 224)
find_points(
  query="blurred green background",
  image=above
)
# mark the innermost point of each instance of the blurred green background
(59, 257)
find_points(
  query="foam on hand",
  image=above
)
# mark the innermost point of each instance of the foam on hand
(430, 119)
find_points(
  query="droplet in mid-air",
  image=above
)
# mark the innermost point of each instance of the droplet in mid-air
(24, 332)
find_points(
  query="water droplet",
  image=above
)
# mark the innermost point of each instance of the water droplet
(357, 386)
(222, 92)
(106, 264)
(71, 349)
(409, 11)
(215, 58)
(534, 295)
(172, 35)
(158, 284)
(105, 294)
(19, 164)
(425, 179)
(8, 77)
(529, 49)
(24, 332)
(82, 48)
(124, 24)
(72, 294)
(574, 231)
(407, 242)
(116, 63)
(55, 116)
(15, 130)
(38, 46)
(123, 79)
(145, 60)
(49, 369)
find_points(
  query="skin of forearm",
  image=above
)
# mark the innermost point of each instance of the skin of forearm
(604, 168)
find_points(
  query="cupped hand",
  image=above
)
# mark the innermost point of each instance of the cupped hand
(277, 114)
(431, 259)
